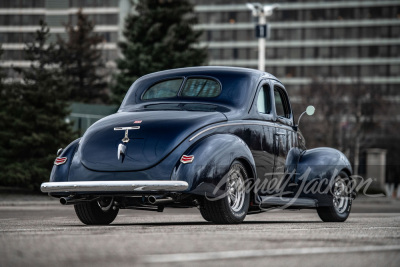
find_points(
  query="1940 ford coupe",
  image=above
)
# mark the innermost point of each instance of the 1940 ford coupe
(221, 139)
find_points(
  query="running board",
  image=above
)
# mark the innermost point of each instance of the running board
(271, 201)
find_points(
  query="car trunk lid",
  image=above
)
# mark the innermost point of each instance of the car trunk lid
(159, 134)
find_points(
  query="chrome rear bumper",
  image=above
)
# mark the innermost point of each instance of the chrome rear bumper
(113, 186)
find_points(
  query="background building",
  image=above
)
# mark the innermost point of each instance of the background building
(308, 39)
(345, 39)
(19, 20)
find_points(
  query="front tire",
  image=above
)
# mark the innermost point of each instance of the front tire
(342, 200)
(232, 208)
(98, 212)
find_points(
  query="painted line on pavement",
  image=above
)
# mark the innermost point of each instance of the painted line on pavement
(223, 255)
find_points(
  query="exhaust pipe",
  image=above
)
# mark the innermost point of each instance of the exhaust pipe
(151, 199)
(71, 200)
(159, 201)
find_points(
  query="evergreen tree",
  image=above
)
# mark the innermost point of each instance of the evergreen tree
(32, 118)
(2, 76)
(81, 62)
(3, 117)
(159, 36)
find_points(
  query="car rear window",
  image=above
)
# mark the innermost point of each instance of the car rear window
(200, 87)
(164, 89)
(193, 87)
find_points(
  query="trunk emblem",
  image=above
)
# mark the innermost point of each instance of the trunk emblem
(126, 129)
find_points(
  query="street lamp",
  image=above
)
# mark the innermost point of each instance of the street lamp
(262, 12)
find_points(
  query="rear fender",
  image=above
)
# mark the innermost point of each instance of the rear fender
(315, 171)
(213, 157)
(60, 173)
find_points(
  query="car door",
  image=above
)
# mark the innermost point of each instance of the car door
(284, 136)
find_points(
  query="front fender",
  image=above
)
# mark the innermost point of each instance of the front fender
(60, 173)
(213, 157)
(316, 168)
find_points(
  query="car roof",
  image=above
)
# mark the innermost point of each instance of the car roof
(238, 85)
(209, 69)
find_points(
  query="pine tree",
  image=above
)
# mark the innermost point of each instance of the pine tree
(81, 62)
(2, 76)
(32, 118)
(159, 36)
(3, 117)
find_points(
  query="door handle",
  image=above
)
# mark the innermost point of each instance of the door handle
(280, 133)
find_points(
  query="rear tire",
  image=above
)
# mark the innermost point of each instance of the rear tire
(342, 200)
(233, 207)
(98, 212)
(205, 214)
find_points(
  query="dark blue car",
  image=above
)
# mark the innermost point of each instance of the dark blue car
(221, 139)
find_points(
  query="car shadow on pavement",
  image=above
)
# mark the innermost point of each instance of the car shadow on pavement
(197, 223)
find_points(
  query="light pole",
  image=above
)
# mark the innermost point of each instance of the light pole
(262, 12)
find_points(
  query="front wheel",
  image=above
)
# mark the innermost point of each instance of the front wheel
(98, 212)
(342, 199)
(232, 208)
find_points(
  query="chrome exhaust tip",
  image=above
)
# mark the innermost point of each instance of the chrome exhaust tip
(159, 201)
(152, 200)
(65, 200)
(72, 200)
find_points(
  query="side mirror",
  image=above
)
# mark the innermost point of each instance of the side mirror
(310, 110)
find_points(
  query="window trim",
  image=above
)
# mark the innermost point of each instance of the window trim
(285, 102)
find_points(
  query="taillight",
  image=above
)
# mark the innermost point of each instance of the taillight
(187, 159)
(60, 161)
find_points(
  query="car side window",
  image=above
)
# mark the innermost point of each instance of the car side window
(281, 103)
(264, 101)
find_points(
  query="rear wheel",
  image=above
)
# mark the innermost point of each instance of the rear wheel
(232, 208)
(98, 212)
(339, 211)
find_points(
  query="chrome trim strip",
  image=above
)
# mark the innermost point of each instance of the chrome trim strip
(241, 123)
(126, 128)
(113, 186)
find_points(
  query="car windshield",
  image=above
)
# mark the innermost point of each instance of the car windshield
(192, 87)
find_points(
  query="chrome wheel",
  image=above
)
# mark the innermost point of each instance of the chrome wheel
(341, 192)
(340, 196)
(233, 204)
(236, 188)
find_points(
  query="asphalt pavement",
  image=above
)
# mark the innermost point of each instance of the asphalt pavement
(40, 232)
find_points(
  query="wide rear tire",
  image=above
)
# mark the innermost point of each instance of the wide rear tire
(232, 208)
(205, 213)
(98, 212)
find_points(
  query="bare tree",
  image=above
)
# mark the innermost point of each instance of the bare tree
(347, 116)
